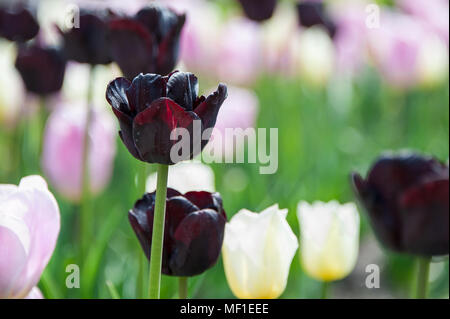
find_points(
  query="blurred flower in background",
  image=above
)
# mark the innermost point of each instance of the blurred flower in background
(239, 111)
(329, 239)
(147, 42)
(17, 23)
(63, 148)
(312, 13)
(257, 253)
(194, 228)
(406, 198)
(89, 43)
(11, 87)
(186, 177)
(42, 68)
(29, 228)
(258, 10)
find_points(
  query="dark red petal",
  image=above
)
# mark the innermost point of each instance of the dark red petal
(182, 87)
(425, 213)
(144, 90)
(132, 47)
(168, 48)
(258, 10)
(198, 242)
(392, 175)
(205, 200)
(152, 129)
(116, 95)
(383, 217)
(140, 221)
(208, 110)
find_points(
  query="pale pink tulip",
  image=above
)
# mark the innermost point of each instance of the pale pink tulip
(239, 111)
(29, 228)
(63, 148)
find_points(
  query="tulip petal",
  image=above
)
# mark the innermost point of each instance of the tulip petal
(144, 90)
(425, 214)
(117, 97)
(182, 88)
(206, 200)
(152, 129)
(208, 110)
(35, 293)
(198, 240)
(132, 47)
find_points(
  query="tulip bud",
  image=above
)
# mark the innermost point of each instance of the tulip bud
(407, 200)
(193, 231)
(258, 10)
(63, 150)
(329, 239)
(257, 253)
(29, 228)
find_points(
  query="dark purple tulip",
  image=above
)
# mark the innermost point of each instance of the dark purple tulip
(152, 106)
(41, 68)
(89, 43)
(311, 13)
(407, 199)
(258, 10)
(17, 24)
(193, 234)
(147, 42)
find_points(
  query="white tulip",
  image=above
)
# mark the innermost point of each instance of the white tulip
(186, 177)
(257, 253)
(329, 239)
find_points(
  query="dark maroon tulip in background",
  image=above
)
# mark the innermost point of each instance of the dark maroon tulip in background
(17, 24)
(311, 13)
(41, 68)
(147, 42)
(89, 43)
(407, 199)
(152, 106)
(258, 10)
(194, 228)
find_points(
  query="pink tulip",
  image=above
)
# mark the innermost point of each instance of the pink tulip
(29, 228)
(394, 47)
(239, 110)
(63, 148)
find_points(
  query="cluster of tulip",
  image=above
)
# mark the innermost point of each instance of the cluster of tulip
(184, 229)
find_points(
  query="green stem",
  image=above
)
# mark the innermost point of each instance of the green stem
(85, 222)
(141, 289)
(183, 287)
(325, 290)
(422, 277)
(158, 232)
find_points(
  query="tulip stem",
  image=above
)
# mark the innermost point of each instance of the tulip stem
(183, 287)
(325, 290)
(158, 232)
(85, 182)
(422, 278)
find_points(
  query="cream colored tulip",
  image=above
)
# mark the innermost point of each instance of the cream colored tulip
(329, 239)
(257, 253)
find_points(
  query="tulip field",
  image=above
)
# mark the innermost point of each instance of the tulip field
(223, 149)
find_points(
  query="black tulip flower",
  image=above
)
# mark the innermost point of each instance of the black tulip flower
(193, 234)
(311, 13)
(18, 24)
(147, 42)
(152, 106)
(258, 10)
(407, 199)
(41, 68)
(89, 42)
